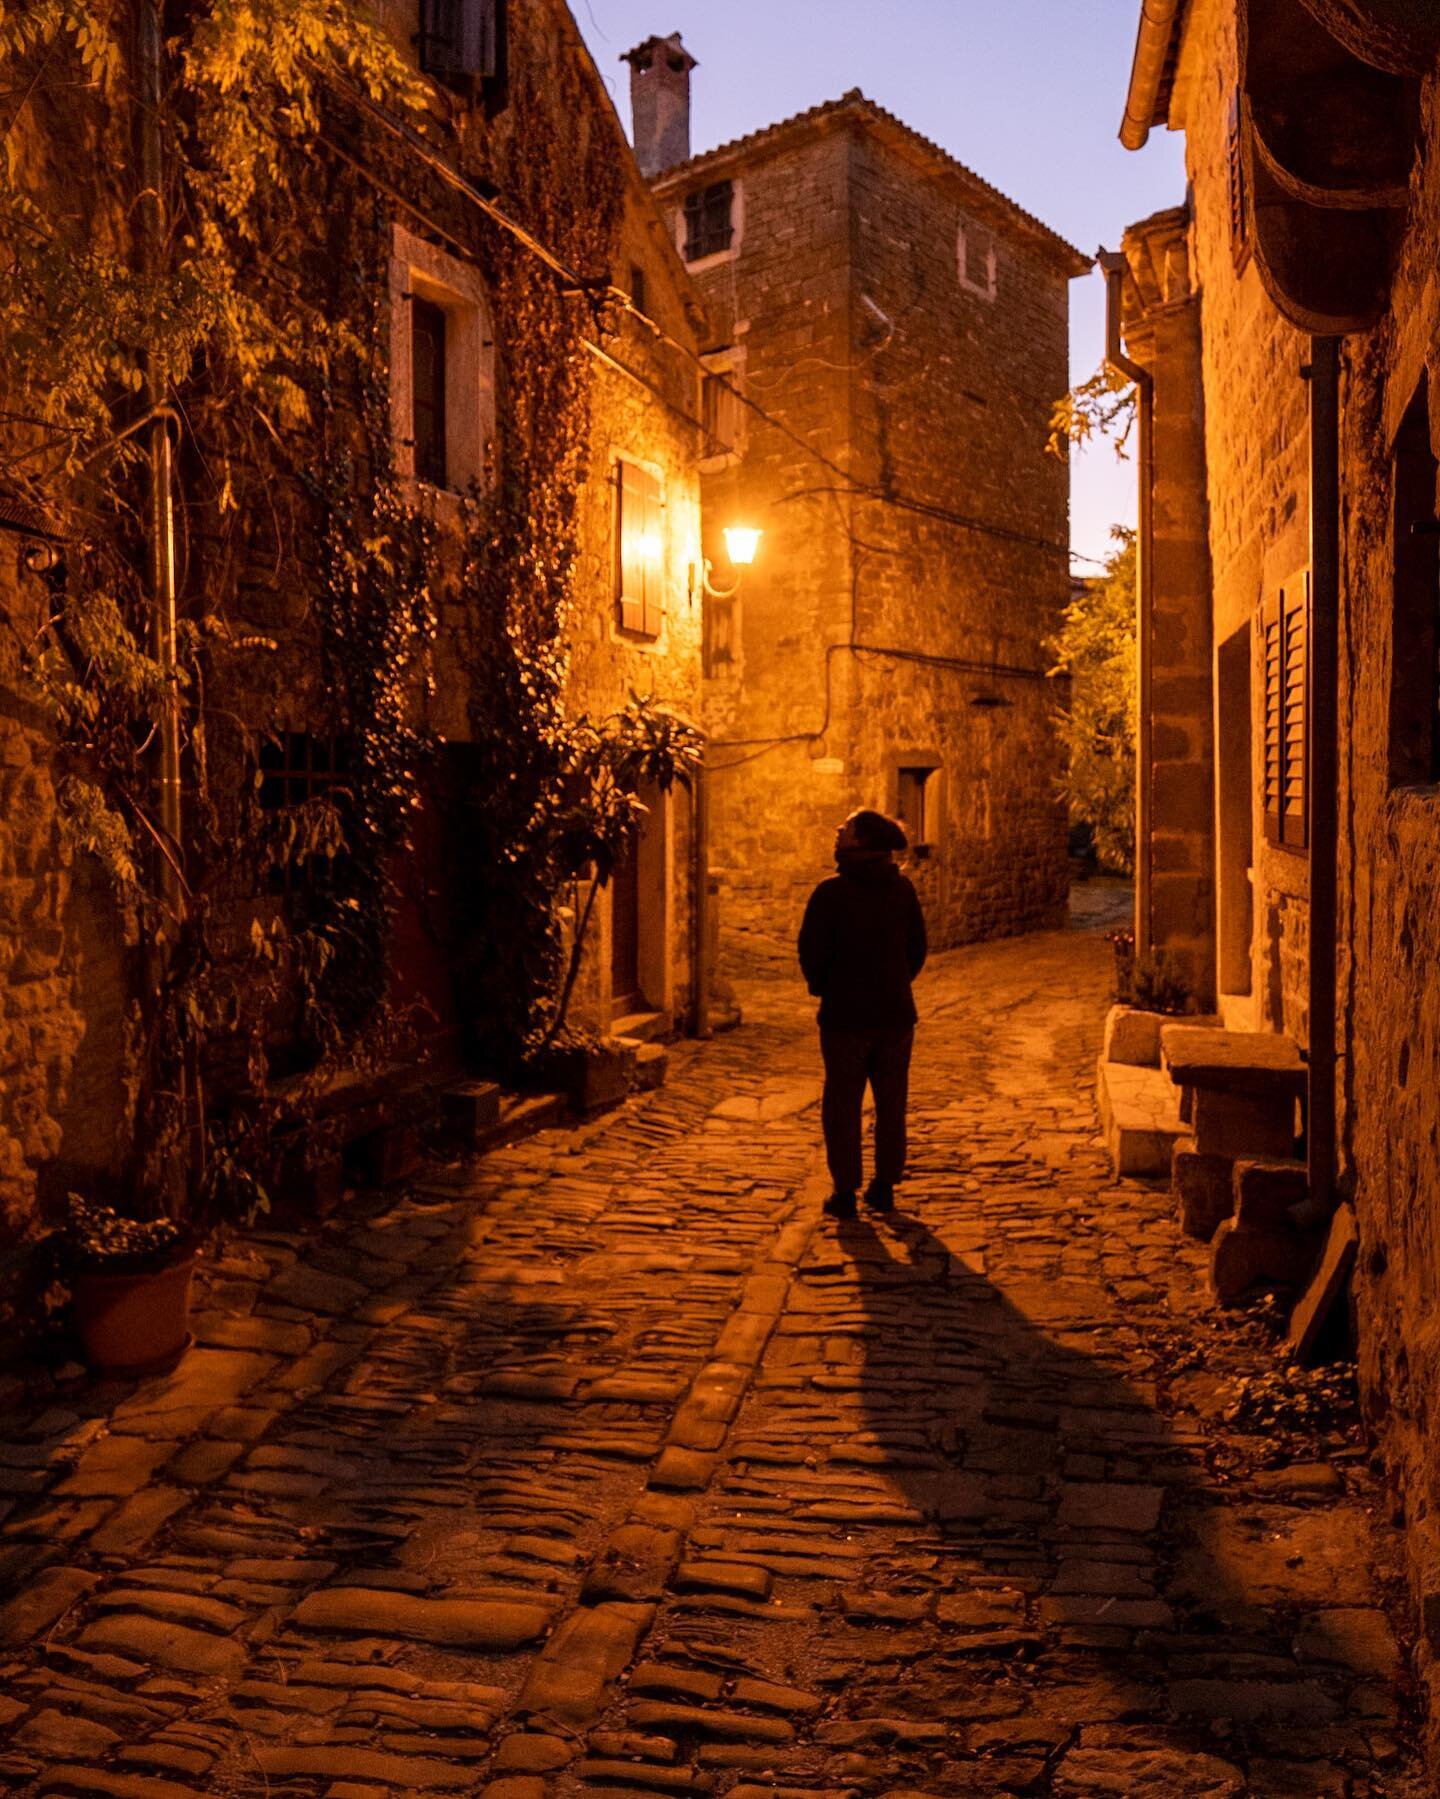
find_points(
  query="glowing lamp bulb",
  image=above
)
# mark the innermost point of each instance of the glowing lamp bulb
(741, 543)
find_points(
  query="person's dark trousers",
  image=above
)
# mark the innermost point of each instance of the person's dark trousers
(853, 1059)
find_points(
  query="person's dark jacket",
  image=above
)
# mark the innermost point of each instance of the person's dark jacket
(861, 945)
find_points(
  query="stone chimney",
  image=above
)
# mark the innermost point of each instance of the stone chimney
(660, 102)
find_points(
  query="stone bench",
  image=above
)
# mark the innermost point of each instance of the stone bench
(1238, 1089)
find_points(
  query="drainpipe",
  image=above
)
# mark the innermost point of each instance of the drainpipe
(700, 949)
(1114, 265)
(1323, 772)
(162, 497)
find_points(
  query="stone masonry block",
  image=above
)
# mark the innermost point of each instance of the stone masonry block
(1244, 1126)
(1133, 1036)
(1265, 1192)
(1203, 1190)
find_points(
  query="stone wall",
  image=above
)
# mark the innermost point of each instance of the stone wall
(1163, 334)
(1257, 487)
(870, 637)
(1389, 990)
(1389, 851)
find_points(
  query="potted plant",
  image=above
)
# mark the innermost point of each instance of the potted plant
(129, 1282)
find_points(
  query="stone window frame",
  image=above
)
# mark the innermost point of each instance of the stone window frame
(988, 288)
(913, 761)
(421, 269)
(717, 258)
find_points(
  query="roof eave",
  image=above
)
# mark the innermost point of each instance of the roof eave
(1147, 97)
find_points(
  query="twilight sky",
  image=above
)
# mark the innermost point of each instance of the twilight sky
(1028, 93)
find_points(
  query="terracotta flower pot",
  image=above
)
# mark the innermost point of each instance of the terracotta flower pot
(134, 1323)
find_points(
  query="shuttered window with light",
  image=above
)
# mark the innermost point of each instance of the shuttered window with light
(639, 550)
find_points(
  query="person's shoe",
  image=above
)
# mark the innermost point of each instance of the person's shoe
(880, 1196)
(840, 1205)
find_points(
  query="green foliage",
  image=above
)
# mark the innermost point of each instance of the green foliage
(1102, 406)
(96, 1239)
(268, 331)
(1095, 646)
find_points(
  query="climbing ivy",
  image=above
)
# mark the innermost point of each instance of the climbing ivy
(262, 322)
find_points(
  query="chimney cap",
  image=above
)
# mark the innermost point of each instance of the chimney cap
(643, 55)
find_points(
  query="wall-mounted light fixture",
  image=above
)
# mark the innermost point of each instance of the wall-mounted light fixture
(741, 544)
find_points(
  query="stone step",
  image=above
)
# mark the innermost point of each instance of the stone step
(643, 1026)
(1140, 1116)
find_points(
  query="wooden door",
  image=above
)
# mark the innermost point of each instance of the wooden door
(626, 995)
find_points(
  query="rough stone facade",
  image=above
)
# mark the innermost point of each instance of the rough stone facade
(903, 327)
(65, 972)
(1256, 404)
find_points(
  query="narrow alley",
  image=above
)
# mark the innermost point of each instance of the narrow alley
(606, 1463)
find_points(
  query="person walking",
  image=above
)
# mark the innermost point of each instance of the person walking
(862, 943)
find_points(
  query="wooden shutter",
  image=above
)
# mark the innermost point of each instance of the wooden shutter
(1285, 639)
(640, 539)
(1295, 616)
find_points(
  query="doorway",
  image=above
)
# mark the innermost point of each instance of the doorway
(1234, 781)
(625, 990)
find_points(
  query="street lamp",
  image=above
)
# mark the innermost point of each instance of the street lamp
(741, 543)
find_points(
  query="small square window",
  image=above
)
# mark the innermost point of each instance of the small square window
(709, 227)
(427, 388)
(637, 287)
(915, 804)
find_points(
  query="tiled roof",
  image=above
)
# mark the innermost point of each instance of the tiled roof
(856, 103)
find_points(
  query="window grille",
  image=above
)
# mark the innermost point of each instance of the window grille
(640, 550)
(1286, 643)
(708, 224)
(427, 386)
(294, 769)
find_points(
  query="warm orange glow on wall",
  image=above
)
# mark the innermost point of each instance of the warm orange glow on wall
(741, 543)
(648, 545)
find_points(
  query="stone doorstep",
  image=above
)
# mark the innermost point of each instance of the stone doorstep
(1140, 1117)
(644, 1027)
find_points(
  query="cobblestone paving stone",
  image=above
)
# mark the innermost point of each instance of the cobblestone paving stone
(605, 1465)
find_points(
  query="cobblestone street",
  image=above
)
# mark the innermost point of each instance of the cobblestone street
(606, 1463)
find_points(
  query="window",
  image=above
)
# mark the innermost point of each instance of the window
(462, 42)
(640, 550)
(708, 225)
(975, 256)
(1415, 609)
(294, 770)
(1235, 175)
(427, 389)
(1285, 636)
(915, 805)
(442, 369)
(637, 287)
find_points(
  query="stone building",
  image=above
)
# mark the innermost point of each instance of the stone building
(457, 289)
(1289, 320)
(888, 334)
